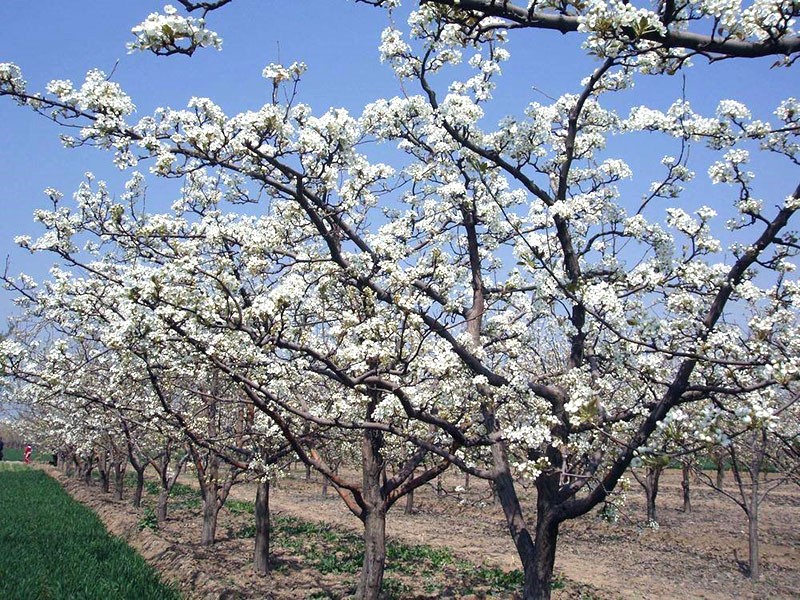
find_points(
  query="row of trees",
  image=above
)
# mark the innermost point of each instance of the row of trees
(500, 299)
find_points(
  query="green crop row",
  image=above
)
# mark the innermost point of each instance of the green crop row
(51, 547)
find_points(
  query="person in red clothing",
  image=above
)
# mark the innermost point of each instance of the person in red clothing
(27, 455)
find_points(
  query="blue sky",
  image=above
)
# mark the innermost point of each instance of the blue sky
(54, 39)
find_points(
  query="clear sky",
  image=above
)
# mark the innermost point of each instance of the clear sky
(55, 39)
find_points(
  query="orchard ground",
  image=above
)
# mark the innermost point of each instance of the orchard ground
(696, 555)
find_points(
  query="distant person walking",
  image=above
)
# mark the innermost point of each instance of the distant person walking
(27, 455)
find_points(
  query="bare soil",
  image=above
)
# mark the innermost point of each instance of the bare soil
(701, 554)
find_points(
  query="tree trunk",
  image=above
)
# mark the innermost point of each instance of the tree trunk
(539, 575)
(161, 507)
(325, 481)
(409, 503)
(119, 479)
(651, 491)
(261, 552)
(536, 555)
(139, 490)
(105, 475)
(506, 494)
(369, 586)
(210, 512)
(87, 473)
(374, 515)
(687, 502)
(720, 462)
(756, 464)
(105, 481)
(752, 530)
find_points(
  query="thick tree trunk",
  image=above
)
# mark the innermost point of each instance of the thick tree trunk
(139, 490)
(539, 574)
(374, 517)
(536, 555)
(161, 507)
(369, 586)
(210, 512)
(687, 501)
(506, 494)
(261, 552)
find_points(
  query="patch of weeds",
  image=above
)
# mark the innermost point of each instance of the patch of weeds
(559, 581)
(394, 588)
(184, 496)
(152, 487)
(240, 507)
(247, 531)
(181, 489)
(148, 520)
(348, 560)
(499, 580)
(408, 559)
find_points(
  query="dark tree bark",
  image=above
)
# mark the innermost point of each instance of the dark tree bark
(103, 470)
(261, 551)
(538, 585)
(166, 480)
(651, 491)
(86, 471)
(687, 501)
(374, 516)
(210, 513)
(719, 462)
(119, 478)
(138, 491)
(161, 506)
(649, 484)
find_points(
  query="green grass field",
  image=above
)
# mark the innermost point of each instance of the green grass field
(51, 547)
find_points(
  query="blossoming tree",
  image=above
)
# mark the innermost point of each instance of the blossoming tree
(501, 296)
